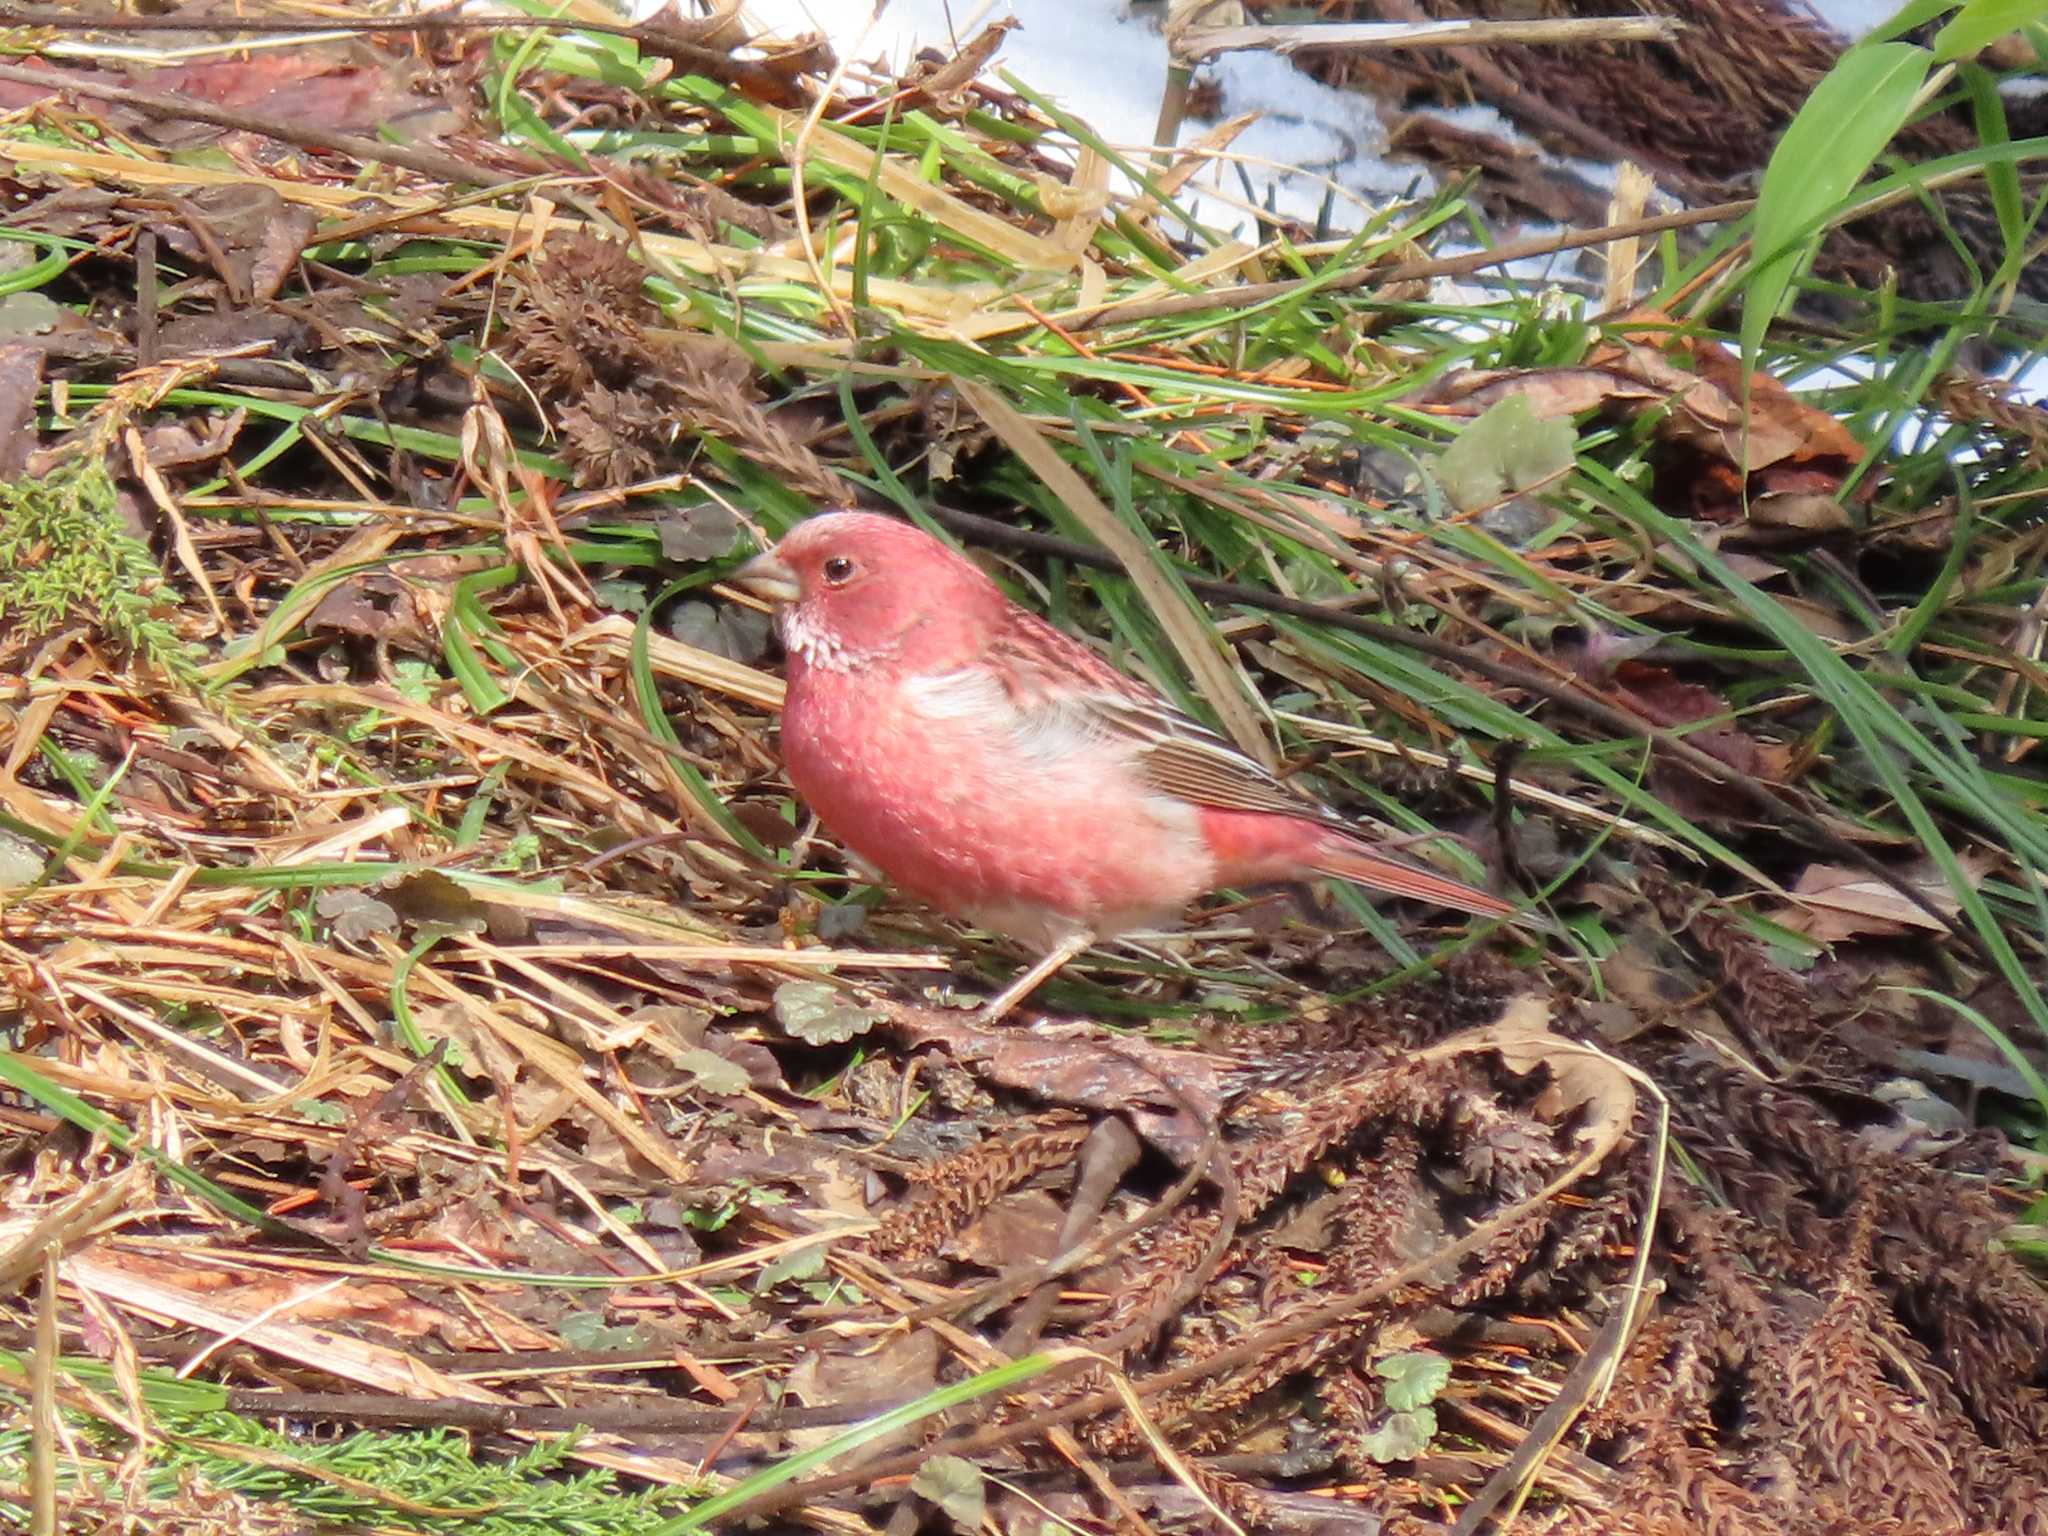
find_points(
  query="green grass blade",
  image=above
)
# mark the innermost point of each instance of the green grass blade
(1837, 136)
(1980, 23)
(647, 698)
(1001, 1379)
(18, 1074)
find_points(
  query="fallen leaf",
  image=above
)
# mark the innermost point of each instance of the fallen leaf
(312, 87)
(1581, 1078)
(818, 1013)
(177, 445)
(1162, 1090)
(1768, 458)
(1507, 449)
(1549, 391)
(1660, 696)
(954, 1484)
(1730, 445)
(1664, 699)
(1836, 903)
(904, 1366)
(21, 375)
(230, 229)
(1413, 1378)
(1021, 1228)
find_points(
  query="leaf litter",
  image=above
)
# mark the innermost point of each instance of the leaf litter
(427, 1013)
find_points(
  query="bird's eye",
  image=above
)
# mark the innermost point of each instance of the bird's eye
(839, 570)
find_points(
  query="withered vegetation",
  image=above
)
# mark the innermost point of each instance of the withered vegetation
(426, 1014)
(1700, 113)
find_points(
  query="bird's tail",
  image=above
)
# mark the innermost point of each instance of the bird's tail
(1348, 860)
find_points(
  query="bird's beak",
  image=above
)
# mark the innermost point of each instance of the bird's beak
(768, 578)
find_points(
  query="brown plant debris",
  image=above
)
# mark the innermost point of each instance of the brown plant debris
(425, 1010)
(1699, 112)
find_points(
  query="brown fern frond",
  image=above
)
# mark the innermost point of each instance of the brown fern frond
(1771, 1005)
(1775, 1154)
(1867, 1438)
(1376, 1220)
(1160, 1259)
(1973, 398)
(1663, 1382)
(709, 404)
(1301, 1136)
(1501, 1149)
(1234, 1496)
(954, 1191)
(1471, 991)
(1983, 1316)
(586, 334)
(1209, 1409)
(1711, 1503)
(1995, 1488)
(1499, 1261)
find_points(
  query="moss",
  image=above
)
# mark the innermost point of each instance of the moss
(64, 556)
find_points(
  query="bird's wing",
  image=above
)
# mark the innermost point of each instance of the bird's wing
(1046, 673)
(1180, 757)
(1059, 696)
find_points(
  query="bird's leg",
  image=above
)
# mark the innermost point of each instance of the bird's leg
(1030, 981)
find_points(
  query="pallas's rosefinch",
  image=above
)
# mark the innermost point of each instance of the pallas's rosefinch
(1006, 774)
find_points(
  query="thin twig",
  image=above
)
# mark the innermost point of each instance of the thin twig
(1387, 36)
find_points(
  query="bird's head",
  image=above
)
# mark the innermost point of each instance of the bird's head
(856, 589)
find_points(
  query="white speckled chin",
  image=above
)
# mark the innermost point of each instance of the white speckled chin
(816, 643)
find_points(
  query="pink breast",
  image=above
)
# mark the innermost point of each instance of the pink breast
(1033, 848)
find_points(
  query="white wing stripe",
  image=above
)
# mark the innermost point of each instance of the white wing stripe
(1039, 737)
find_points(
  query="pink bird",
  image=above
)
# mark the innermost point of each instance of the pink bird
(1007, 775)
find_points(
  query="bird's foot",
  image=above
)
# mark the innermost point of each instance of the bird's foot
(1006, 1001)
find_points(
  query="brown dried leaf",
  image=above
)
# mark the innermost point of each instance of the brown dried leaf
(1778, 443)
(1549, 391)
(1021, 1228)
(1838, 903)
(21, 375)
(176, 445)
(307, 86)
(1582, 1078)
(1075, 1064)
(1661, 697)
(374, 605)
(902, 1367)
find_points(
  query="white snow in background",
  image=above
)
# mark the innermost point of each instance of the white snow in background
(1108, 67)
(1853, 18)
(1083, 52)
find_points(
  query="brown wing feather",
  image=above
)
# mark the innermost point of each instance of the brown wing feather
(1041, 666)
(1225, 779)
